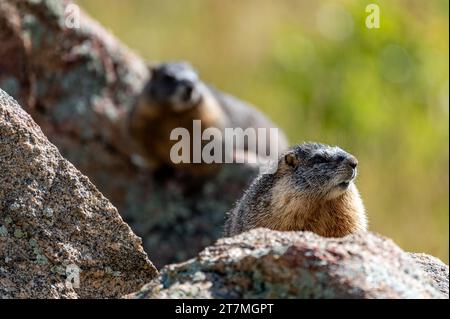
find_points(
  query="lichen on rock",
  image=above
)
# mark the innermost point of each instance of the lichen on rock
(51, 216)
(263, 263)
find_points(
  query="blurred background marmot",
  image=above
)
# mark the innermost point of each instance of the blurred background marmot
(312, 190)
(175, 97)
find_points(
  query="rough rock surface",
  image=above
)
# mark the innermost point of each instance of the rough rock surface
(435, 269)
(270, 264)
(52, 217)
(78, 84)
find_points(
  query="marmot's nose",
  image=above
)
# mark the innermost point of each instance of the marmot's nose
(352, 161)
(188, 88)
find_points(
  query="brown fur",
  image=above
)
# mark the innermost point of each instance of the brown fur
(150, 128)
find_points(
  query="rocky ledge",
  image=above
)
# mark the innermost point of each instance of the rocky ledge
(270, 264)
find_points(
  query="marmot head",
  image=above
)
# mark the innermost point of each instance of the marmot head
(319, 170)
(175, 86)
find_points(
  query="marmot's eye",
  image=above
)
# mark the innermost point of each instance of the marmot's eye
(167, 78)
(318, 159)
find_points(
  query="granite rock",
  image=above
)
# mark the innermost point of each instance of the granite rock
(435, 269)
(269, 264)
(54, 223)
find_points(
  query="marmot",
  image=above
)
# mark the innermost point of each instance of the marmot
(311, 190)
(175, 97)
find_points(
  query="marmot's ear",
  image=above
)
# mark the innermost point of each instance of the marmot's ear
(291, 159)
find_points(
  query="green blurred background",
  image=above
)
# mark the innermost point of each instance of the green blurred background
(315, 68)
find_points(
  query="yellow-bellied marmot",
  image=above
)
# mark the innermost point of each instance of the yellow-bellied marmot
(174, 97)
(312, 190)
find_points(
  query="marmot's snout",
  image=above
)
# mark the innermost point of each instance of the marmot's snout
(345, 173)
(174, 85)
(351, 161)
(187, 92)
(349, 164)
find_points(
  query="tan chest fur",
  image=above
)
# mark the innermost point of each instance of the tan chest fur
(292, 211)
